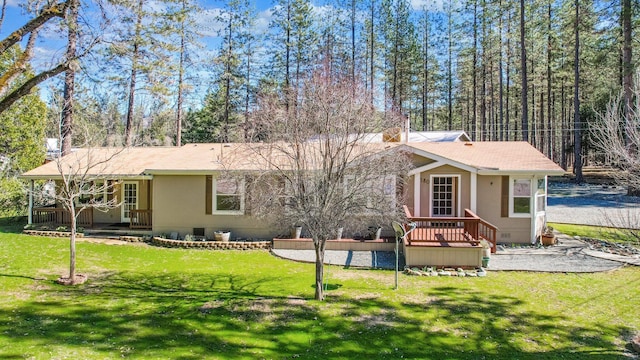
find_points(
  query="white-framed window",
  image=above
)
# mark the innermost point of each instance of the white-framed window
(541, 196)
(520, 197)
(92, 192)
(228, 196)
(379, 191)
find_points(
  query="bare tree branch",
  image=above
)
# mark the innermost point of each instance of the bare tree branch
(49, 12)
(4, 10)
(25, 88)
(19, 66)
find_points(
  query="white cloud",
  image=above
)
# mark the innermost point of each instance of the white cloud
(432, 5)
(262, 20)
(208, 23)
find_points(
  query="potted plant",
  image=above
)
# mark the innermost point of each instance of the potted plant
(548, 238)
(374, 232)
(222, 235)
(296, 232)
(486, 248)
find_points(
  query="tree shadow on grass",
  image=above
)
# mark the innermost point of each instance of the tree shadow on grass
(12, 224)
(196, 315)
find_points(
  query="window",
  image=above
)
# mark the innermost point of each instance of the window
(228, 196)
(92, 193)
(520, 204)
(371, 193)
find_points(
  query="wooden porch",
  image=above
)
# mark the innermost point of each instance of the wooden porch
(448, 241)
(139, 219)
(451, 231)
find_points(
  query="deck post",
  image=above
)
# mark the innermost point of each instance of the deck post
(474, 192)
(416, 194)
(31, 189)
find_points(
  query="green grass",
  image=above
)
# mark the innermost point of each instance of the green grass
(597, 232)
(146, 302)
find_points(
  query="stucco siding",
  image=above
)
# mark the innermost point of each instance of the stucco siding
(464, 187)
(510, 230)
(179, 206)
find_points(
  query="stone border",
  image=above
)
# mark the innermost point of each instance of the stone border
(131, 239)
(49, 233)
(212, 245)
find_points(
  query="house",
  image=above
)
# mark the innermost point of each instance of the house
(467, 190)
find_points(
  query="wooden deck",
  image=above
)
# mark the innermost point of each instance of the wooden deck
(441, 237)
(447, 241)
(467, 231)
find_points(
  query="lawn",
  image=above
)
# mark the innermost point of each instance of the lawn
(146, 302)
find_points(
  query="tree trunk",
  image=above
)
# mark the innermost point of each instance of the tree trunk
(473, 71)
(353, 41)
(4, 10)
(227, 81)
(425, 70)
(180, 80)
(66, 127)
(577, 147)
(371, 54)
(523, 63)
(319, 247)
(134, 71)
(627, 66)
(500, 80)
(72, 246)
(508, 71)
(550, 133)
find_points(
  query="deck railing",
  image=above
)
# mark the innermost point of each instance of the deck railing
(140, 219)
(468, 229)
(60, 216)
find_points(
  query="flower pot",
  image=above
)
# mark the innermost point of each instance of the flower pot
(548, 240)
(375, 232)
(296, 232)
(485, 261)
(222, 236)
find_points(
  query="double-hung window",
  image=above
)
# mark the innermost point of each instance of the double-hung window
(520, 199)
(228, 196)
(94, 192)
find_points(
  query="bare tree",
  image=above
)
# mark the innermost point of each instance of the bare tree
(84, 186)
(618, 137)
(318, 170)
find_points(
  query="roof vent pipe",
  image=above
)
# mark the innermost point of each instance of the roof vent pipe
(407, 129)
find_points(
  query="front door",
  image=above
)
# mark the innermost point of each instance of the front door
(129, 200)
(444, 199)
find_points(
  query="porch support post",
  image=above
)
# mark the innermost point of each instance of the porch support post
(416, 194)
(473, 203)
(31, 189)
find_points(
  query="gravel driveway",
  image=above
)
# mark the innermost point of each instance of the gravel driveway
(590, 204)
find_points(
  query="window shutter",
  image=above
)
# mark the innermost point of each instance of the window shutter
(504, 200)
(209, 196)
